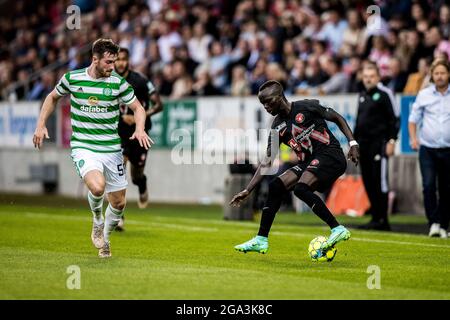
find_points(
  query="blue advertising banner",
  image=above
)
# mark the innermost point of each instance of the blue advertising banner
(406, 103)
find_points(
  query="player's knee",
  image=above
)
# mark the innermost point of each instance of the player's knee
(119, 203)
(97, 189)
(301, 190)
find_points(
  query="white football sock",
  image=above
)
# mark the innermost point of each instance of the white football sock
(112, 218)
(96, 204)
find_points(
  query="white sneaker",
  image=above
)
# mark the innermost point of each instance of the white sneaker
(435, 230)
(97, 235)
(143, 200)
(105, 251)
(443, 233)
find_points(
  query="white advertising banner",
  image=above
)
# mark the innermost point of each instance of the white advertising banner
(17, 123)
(220, 119)
(237, 127)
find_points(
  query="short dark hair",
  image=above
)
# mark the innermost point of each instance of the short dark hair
(125, 50)
(337, 61)
(100, 46)
(270, 83)
(277, 89)
(368, 64)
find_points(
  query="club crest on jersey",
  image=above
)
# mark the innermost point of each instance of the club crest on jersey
(299, 118)
(315, 162)
(93, 100)
(107, 92)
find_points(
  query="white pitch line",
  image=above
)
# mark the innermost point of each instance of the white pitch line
(283, 226)
(206, 229)
(302, 235)
(144, 223)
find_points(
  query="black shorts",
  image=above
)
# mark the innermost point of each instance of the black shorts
(327, 167)
(136, 154)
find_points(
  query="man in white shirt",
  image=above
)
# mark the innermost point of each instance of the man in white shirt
(431, 111)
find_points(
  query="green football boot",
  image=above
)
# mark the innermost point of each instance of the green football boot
(257, 244)
(337, 235)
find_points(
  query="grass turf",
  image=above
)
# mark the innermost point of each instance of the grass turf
(186, 252)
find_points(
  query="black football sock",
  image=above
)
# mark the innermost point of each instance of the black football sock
(141, 182)
(304, 193)
(271, 207)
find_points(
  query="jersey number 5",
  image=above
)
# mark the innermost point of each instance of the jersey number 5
(120, 169)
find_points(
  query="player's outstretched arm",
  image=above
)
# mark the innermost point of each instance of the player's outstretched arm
(139, 116)
(257, 177)
(333, 116)
(47, 108)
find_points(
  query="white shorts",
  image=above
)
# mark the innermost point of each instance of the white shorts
(110, 164)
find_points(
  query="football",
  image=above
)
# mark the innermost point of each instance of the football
(316, 254)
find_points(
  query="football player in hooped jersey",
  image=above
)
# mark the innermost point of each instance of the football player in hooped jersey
(95, 95)
(302, 126)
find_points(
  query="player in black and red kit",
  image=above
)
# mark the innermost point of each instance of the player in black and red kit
(132, 151)
(302, 126)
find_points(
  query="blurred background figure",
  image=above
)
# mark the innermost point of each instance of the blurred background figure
(431, 110)
(376, 132)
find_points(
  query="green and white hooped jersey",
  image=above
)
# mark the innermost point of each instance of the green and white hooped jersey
(94, 109)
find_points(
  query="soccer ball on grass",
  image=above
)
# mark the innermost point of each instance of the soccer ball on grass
(316, 254)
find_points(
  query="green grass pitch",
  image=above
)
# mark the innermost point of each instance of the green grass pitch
(186, 252)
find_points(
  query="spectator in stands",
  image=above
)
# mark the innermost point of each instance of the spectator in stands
(333, 30)
(314, 74)
(432, 40)
(138, 45)
(250, 31)
(297, 77)
(418, 12)
(337, 82)
(381, 54)
(274, 38)
(240, 55)
(182, 53)
(396, 78)
(153, 58)
(303, 47)
(274, 71)
(167, 40)
(182, 85)
(270, 50)
(203, 85)
(22, 78)
(417, 80)
(401, 49)
(199, 43)
(444, 20)
(239, 83)
(258, 76)
(353, 70)
(289, 55)
(431, 110)
(353, 34)
(217, 65)
(415, 50)
(43, 87)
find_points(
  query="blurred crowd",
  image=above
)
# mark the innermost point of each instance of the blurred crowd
(226, 47)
